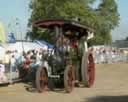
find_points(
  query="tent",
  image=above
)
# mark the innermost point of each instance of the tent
(44, 44)
(23, 46)
(2, 52)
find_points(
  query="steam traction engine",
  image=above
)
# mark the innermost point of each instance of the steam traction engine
(70, 61)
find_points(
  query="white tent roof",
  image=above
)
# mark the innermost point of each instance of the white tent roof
(26, 46)
(2, 52)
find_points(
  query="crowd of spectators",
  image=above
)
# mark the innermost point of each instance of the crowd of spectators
(109, 55)
(13, 59)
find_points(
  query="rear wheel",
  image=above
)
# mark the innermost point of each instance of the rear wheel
(88, 70)
(41, 79)
(69, 78)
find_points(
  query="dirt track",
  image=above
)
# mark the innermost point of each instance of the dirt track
(111, 85)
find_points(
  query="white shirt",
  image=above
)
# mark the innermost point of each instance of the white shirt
(2, 68)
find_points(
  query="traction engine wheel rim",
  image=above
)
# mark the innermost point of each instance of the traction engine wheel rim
(41, 79)
(69, 78)
(91, 67)
(88, 70)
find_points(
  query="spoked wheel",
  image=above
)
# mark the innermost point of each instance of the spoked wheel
(41, 79)
(88, 70)
(69, 78)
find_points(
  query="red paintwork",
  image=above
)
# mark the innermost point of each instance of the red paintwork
(49, 23)
(91, 70)
(43, 78)
(71, 76)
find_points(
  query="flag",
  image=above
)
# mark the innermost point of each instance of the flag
(11, 38)
(17, 21)
(2, 33)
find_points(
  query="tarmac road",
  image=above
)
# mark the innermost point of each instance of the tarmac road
(111, 85)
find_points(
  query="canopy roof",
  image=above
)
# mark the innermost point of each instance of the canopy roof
(65, 24)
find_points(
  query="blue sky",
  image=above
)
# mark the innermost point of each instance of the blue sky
(12, 9)
(122, 31)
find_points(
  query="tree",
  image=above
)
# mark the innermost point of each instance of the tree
(109, 19)
(108, 11)
(126, 38)
(68, 9)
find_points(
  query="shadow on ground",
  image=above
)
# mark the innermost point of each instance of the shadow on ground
(108, 99)
(31, 87)
(4, 84)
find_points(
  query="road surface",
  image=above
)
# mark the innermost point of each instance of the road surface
(111, 85)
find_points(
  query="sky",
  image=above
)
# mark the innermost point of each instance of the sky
(121, 32)
(12, 9)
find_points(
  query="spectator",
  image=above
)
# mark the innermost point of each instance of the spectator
(7, 61)
(3, 78)
(13, 64)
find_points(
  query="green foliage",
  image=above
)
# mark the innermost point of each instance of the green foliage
(103, 20)
(108, 9)
(126, 38)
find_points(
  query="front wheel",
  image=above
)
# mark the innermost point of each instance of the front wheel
(69, 78)
(41, 79)
(88, 69)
